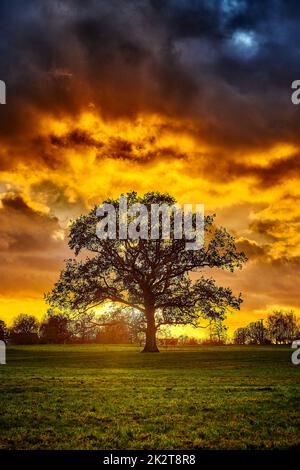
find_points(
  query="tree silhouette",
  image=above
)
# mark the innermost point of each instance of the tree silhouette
(24, 329)
(55, 328)
(25, 324)
(4, 333)
(218, 331)
(240, 336)
(151, 276)
(283, 326)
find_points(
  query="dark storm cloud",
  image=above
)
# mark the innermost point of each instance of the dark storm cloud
(227, 64)
(38, 230)
(219, 167)
(267, 228)
(252, 250)
(75, 138)
(143, 150)
(31, 253)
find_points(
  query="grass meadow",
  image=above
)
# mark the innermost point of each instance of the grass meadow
(113, 397)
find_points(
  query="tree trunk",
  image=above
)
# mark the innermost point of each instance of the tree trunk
(150, 345)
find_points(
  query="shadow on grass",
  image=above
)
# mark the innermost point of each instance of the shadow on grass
(129, 357)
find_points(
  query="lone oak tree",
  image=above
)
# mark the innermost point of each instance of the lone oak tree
(151, 276)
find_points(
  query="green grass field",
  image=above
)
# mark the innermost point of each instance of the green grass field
(113, 397)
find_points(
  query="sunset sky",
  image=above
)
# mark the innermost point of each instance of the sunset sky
(190, 97)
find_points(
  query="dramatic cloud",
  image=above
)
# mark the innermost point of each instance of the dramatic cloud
(32, 248)
(228, 65)
(190, 97)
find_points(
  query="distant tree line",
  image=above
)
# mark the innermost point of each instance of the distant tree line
(117, 327)
(120, 326)
(124, 326)
(59, 328)
(280, 327)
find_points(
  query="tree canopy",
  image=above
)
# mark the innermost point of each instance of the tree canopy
(151, 276)
(281, 327)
